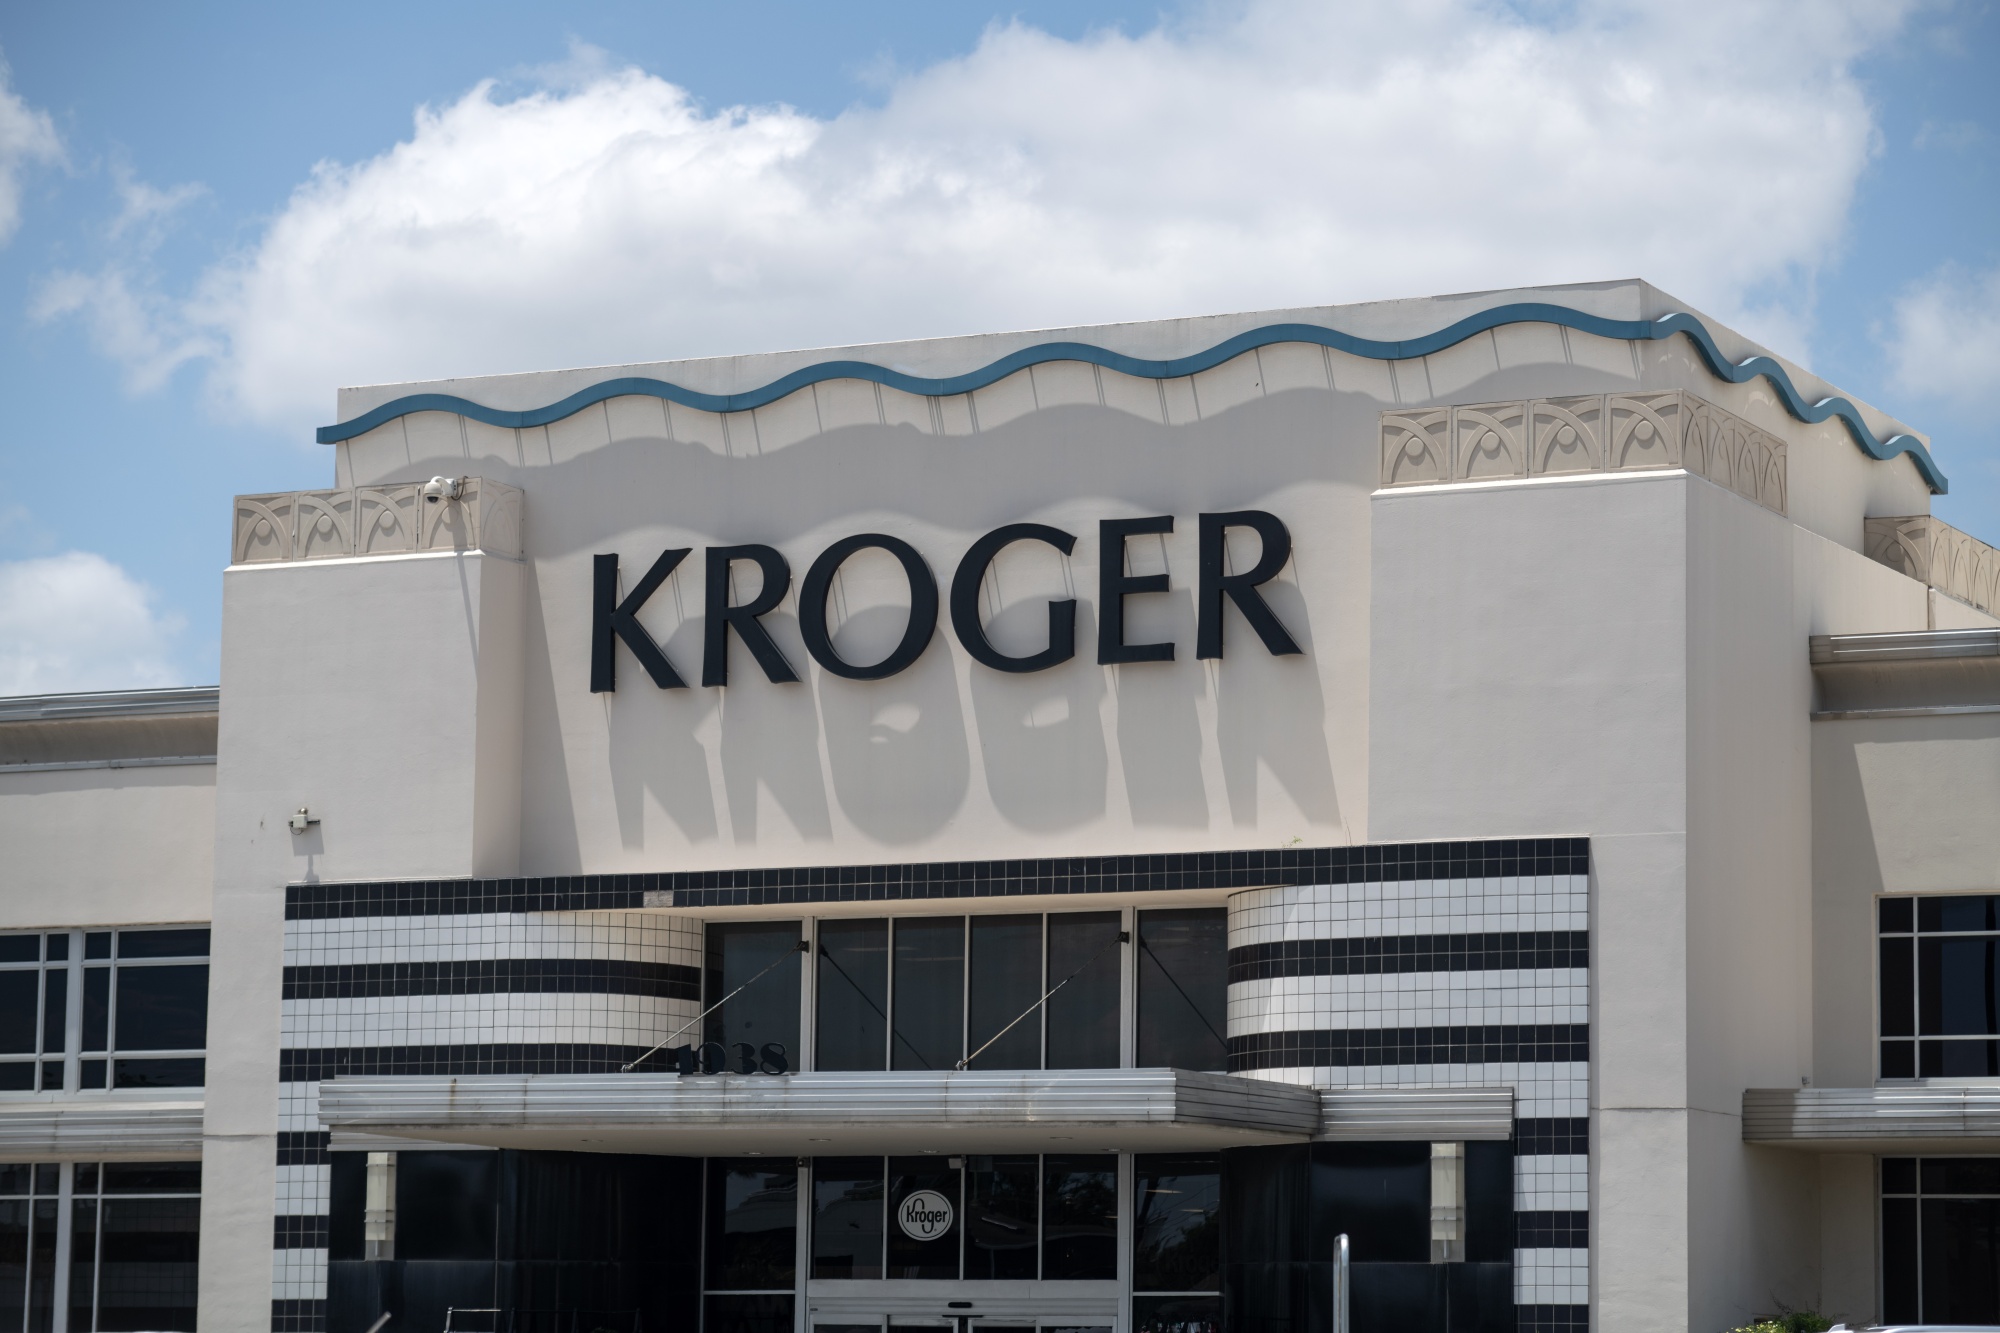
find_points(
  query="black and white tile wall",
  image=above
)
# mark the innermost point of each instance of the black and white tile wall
(1459, 964)
(454, 993)
(1449, 970)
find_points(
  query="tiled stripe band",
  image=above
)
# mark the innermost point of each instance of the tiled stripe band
(804, 885)
(494, 976)
(1324, 1048)
(311, 1064)
(1509, 950)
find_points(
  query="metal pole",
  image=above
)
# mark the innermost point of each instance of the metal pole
(1340, 1284)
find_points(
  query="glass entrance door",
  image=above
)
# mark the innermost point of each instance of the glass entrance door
(952, 1322)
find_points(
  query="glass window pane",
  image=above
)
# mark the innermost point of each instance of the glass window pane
(847, 1217)
(1957, 912)
(753, 1224)
(20, 948)
(1183, 967)
(17, 1076)
(146, 1275)
(82, 1263)
(1961, 1260)
(1899, 1260)
(48, 1178)
(55, 1011)
(748, 1314)
(186, 943)
(1177, 1223)
(1006, 981)
(14, 1215)
(1177, 1314)
(42, 1268)
(768, 1012)
(86, 1177)
(1960, 990)
(20, 1001)
(853, 1000)
(445, 1204)
(162, 1008)
(1082, 1018)
(929, 990)
(922, 1255)
(1079, 1217)
(1894, 915)
(1959, 1175)
(97, 944)
(14, 1178)
(152, 1177)
(1000, 1216)
(58, 946)
(97, 1007)
(1898, 981)
(169, 1073)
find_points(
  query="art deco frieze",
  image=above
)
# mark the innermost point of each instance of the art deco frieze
(1597, 433)
(1932, 551)
(375, 520)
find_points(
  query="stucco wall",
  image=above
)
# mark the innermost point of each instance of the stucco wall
(107, 846)
(382, 694)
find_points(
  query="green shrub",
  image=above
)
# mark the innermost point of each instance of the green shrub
(1792, 1321)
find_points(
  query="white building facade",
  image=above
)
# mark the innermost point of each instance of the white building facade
(1040, 831)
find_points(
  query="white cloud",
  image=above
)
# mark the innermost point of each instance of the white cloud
(26, 136)
(76, 621)
(1944, 336)
(1281, 152)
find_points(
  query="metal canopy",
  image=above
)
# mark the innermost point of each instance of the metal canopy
(829, 1114)
(1911, 1119)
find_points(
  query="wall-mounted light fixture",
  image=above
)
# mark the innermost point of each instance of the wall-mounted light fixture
(303, 820)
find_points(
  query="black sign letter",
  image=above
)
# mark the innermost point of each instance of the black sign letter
(611, 619)
(1241, 588)
(965, 601)
(721, 615)
(1114, 585)
(819, 582)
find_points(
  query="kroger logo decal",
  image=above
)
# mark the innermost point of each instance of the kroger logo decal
(925, 1215)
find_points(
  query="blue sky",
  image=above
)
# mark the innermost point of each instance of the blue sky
(223, 213)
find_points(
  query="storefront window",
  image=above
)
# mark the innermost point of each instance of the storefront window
(1183, 965)
(929, 993)
(853, 994)
(1082, 1017)
(752, 1225)
(1177, 1223)
(1941, 1240)
(1177, 1243)
(766, 1014)
(1006, 980)
(1940, 986)
(135, 1230)
(847, 1217)
(981, 1218)
(1080, 1217)
(132, 1010)
(1000, 1208)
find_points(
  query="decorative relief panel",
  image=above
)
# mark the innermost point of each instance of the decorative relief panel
(1415, 447)
(1932, 551)
(375, 520)
(1593, 433)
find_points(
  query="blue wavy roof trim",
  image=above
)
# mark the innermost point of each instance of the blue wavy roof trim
(1525, 312)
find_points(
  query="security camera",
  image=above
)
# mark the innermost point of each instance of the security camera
(443, 488)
